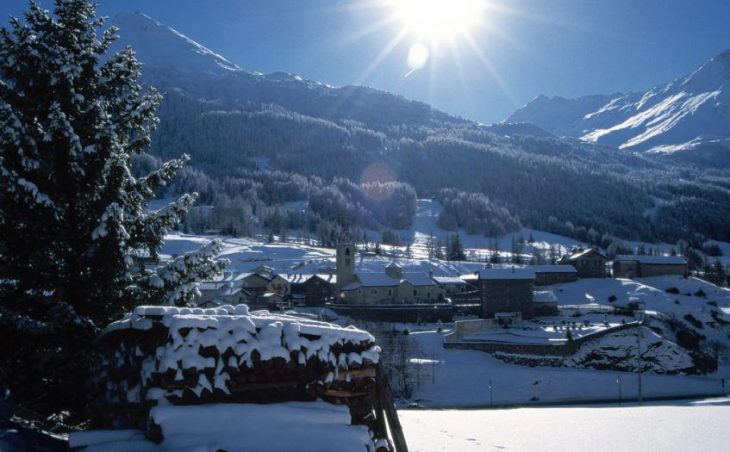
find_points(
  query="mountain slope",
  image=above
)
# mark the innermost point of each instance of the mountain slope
(172, 60)
(258, 141)
(677, 116)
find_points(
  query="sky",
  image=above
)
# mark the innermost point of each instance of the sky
(497, 59)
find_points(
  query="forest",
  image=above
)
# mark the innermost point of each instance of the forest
(266, 167)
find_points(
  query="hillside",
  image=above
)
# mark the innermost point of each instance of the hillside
(261, 142)
(689, 116)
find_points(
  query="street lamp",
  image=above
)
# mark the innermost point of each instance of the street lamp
(639, 337)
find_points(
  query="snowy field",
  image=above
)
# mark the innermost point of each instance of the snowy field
(666, 426)
(462, 379)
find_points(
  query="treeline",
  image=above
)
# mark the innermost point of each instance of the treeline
(255, 202)
(294, 141)
(474, 212)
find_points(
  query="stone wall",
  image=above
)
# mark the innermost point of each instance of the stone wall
(566, 349)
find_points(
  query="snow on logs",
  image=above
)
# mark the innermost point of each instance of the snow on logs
(165, 355)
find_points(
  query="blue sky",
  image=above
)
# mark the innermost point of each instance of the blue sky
(553, 47)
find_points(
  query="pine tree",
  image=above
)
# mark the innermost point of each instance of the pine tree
(455, 249)
(73, 223)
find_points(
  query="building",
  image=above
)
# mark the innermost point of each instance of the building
(589, 263)
(507, 290)
(345, 265)
(554, 274)
(640, 266)
(279, 285)
(384, 288)
(255, 283)
(318, 288)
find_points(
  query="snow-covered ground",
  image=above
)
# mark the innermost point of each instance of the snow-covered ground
(661, 426)
(462, 378)
(424, 227)
(302, 426)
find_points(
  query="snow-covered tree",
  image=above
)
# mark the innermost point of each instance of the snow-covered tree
(73, 219)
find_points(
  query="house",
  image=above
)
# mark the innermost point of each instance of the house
(296, 282)
(589, 263)
(209, 290)
(641, 266)
(279, 285)
(255, 283)
(318, 288)
(554, 274)
(506, 290)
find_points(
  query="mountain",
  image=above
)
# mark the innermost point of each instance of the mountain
(354, 158)
(689, 113)
(172, 60)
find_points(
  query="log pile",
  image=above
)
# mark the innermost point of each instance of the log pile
(182, 356)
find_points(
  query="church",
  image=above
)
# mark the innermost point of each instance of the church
(391, 287)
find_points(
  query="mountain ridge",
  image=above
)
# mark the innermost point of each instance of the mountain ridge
(694, 108)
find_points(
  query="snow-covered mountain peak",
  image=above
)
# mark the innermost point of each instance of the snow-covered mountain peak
(714, 72)
(691, 109)
(161, 46)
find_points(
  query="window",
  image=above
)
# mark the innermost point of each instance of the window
(428, 294)
(390, 292)
(414, 292)
(347, 262)
(347, 251)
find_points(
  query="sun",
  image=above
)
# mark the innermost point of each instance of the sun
(438, 20)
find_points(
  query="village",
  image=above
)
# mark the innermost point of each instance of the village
(349, 236)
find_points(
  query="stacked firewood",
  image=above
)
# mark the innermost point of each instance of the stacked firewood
(185, 356)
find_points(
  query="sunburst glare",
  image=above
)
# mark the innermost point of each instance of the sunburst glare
(437, 20)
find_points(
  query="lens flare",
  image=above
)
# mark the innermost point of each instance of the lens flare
(417, 57)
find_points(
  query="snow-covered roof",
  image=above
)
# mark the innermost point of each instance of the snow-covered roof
(554, 269)
(372, 280)
(449, 280)
(507, 273)
(544, 296)
(393, 265)
(656, 260)
(242, 276)
(296, 278)
(327, 277)
(579, 254)
(418, 279)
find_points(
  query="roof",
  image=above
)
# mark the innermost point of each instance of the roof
(506, 273)
(243, 276)
(579, 254)
(656, 260)
(327, 277)
(544, 296)
(372, 280)
(296, 278)
(418, 279)
(449, 280)
(393, 265)
(554, 269)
